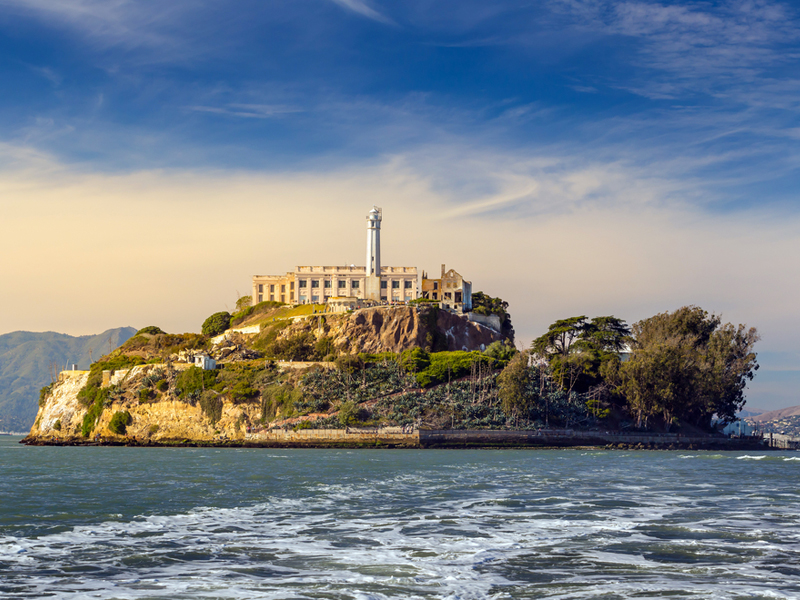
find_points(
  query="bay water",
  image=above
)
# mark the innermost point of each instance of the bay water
(174, 523)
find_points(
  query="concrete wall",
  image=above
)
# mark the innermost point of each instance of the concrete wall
(391, 436)
(490, 321)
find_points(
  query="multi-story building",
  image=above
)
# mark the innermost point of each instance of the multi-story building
(317, 284)
(451, 290)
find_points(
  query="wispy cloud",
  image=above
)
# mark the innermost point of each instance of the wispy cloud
(249, 111)
(362, 8)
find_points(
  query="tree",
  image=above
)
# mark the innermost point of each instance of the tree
(513, 386)
(216, 323)
(576, 349)
(686, 366)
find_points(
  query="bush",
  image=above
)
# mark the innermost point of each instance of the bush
(348, 413)
(349, 363)
(324, 347)
(189, 384)
(216, 323)
(145, 395)
(43, 394)
(119, 422)
(162, 385)
(447, 366)
(211, 405)
(151, 330)
(153, 429)
(57, 425)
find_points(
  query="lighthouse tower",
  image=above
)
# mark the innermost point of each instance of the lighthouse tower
(373, 283)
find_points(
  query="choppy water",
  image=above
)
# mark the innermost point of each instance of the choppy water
(204, 523)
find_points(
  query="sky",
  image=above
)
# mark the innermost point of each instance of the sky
(573, 157)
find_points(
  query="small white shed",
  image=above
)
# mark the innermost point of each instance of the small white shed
(205, 362)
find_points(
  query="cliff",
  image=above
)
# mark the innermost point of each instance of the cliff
(276, 372)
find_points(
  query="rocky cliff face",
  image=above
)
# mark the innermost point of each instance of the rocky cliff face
(398, 328)
(168, 418)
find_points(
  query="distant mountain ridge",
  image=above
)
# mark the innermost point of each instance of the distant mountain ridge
(775, 415)
(28, 361)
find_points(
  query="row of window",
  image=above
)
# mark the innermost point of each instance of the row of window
(272, 287)
(342, 283)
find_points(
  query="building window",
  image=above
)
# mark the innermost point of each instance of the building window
(458, 296)
(328, 283)
(315, 299)
(291, 296)
(355, 284)
(436, 285)
(260, 288)
(383, 298)
(272, 297)
(384, 283)
(302, 283)
(448, 295)
(260, 298)
(315, 283)
(283, 290)
(395, 285)
(342, 284)
(283, 298)
(272, 287)
(408, 284)
(291, 285)
(303, 299)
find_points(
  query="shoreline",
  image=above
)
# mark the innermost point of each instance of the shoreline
(431, 439)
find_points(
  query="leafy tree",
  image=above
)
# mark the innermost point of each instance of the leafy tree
(576, 349)
(502, 351)
(483, 304)
(216, 323)
(512, 386)
(686, 366)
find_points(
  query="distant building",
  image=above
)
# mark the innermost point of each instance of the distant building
(451, 290)
(318, 284)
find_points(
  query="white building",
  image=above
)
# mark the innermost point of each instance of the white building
(317, 284)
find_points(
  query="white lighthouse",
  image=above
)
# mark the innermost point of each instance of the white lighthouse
(373, 283)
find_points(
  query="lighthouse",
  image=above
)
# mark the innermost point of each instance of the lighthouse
(373, 283)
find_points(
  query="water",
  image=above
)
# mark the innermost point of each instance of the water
(205, 523)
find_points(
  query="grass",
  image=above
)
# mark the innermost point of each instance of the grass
(283, 312)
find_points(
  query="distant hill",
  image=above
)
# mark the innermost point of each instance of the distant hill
(29, 360)
(775, 415)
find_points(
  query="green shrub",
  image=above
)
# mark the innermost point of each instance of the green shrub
(145, 395)
(57, 425)
(43, 394)
(303, 425)
(162, 385)
(415, 360)
(119, 422)
(502, 351)
(324, 347)
(211, 405)
(348, 413)
(151, 330)
(447, 366)
(190, 383)
(153, 429)
(349, 363)
(216, 323)
(380, 357)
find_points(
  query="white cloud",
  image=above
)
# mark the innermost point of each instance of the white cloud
(362, 8)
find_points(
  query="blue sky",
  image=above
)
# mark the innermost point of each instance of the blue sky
(624, 158)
